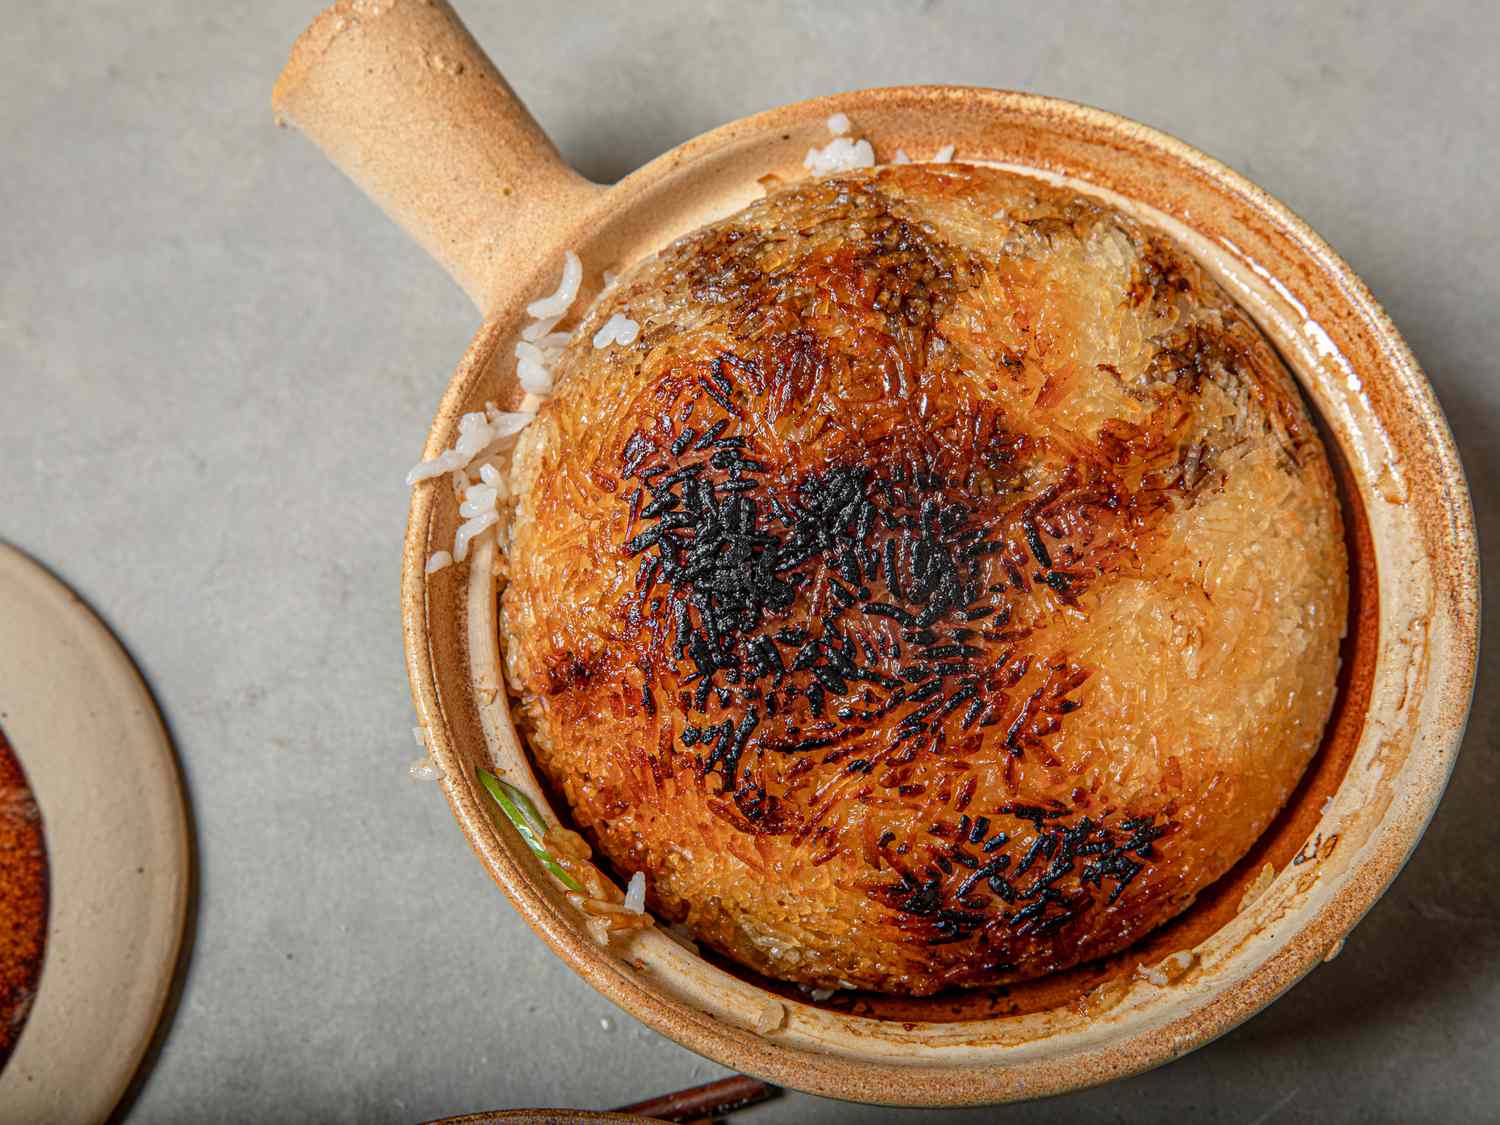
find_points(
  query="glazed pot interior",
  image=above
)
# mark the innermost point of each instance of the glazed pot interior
(1407, 657)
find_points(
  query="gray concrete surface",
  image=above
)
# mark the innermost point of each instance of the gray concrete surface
(218, 360)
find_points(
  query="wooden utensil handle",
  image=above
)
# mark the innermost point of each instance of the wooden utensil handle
(399, 96)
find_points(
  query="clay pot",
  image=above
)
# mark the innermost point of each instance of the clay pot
(399, 96)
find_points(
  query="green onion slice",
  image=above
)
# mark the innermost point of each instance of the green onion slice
(524, 818)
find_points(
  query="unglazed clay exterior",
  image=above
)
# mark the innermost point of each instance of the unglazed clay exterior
(405, 102)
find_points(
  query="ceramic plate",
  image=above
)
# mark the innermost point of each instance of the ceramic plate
(103, 776)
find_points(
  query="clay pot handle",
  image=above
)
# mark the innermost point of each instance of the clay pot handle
(399, 96)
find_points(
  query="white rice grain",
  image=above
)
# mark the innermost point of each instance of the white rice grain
(531, 368)
(944, 155)
(477, 433)
(444, 462)
(527, 349)
(901, 157)
(618, 329)
(839, 155)
(435, 562)
(769, 1017)
(478, 500)
(468, 530)
(535, 378)
(539, 328)
(635, 893)
(838, 124)
(425, 769)
(567, 290)
(474, 433)
(508, 423)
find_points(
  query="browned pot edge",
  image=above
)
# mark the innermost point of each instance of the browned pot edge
(1437, 489)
